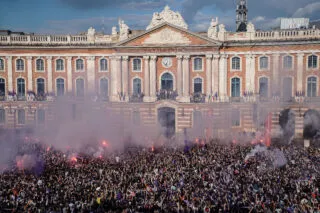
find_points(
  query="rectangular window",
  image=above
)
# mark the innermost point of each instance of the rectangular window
(1, 64)
(21, 117)
(197, 64)
(136, 65)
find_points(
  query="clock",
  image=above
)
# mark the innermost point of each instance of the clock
(166, 62)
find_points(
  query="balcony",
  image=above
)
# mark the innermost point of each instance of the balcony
(198, 98)
(136, 98)
(167, 95)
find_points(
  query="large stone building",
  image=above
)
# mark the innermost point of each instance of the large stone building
(165, 70)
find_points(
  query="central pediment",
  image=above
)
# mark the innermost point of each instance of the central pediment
(168, 35)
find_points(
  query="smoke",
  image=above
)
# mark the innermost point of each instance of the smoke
(275, 157)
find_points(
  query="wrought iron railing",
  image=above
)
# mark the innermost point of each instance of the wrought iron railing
(167, 95)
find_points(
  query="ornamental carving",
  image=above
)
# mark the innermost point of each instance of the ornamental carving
(169, 16)
(167, 36)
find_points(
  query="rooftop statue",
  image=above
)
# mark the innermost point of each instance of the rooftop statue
(167, 15)
(124, 30)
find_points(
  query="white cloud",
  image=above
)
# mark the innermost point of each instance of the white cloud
(307, 10)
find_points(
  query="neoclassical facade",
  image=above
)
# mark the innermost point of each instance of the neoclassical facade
(165, 67)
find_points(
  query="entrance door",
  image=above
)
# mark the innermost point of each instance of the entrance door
(166, 118)
(287, 89)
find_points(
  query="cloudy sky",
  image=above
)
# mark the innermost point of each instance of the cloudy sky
(74, 16)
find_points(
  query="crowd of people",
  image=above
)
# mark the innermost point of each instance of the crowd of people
(198, 177)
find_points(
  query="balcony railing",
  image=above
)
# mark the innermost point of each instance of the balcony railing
(167, 95)
(136, 98)
(198, 98)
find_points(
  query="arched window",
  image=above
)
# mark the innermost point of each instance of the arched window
(167, 81)
(197, 85)
(235, 87)
(263, 87)
(312, 87)
(41, 116)
(136, 86)
(264, 63)
(1, 64)
(40, 86)
(103, 65)
(21, 117)
(21, 87)
(2, 87)
(59, 65)
(287, 62)
(40, 65)
(235, 63)
(136, 64)
(197, 64)
(2, 116)
(312, 61)
(20, 64)
(104, 88)
(80, 87)
(79, 65)
(60, 86)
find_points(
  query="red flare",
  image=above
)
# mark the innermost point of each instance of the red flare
(74, 159)
(105, 143)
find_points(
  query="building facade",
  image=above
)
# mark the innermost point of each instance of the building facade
(164, 69)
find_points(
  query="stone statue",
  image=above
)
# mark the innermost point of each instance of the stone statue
(250, 28)
(124, 30)
(222, 28)
(91, 31)
(114, 31)
(212, 31)
(167, 15)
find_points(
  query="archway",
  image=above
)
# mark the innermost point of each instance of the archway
(167, 121)
(287, 124)
(311, 128)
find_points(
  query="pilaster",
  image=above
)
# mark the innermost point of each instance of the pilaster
(250, 73)
(146, 79)
(30, 80)
(215, 74)
(223, 77)
(125, 76)
(9, 64)
(186, 79)
(115, 78)
(300, 70)
(153, 78)
(49, 69)
(91, 74)
(275, 72)
(69, 74)
(209, 75)
(179, 76)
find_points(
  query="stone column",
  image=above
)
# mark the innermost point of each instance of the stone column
(10, 83)
(49, 69)
(153, 78)
(186, 79)
(29, 65)
(69, 74)
(223, 80)
(146, 79)
(115, 78)
(300, 70)
(275, 73)
(91, 75)
(179, 76)
(125, 76)
(215, 74)
(209, 75)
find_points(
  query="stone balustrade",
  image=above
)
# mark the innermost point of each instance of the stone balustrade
(96, 39)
